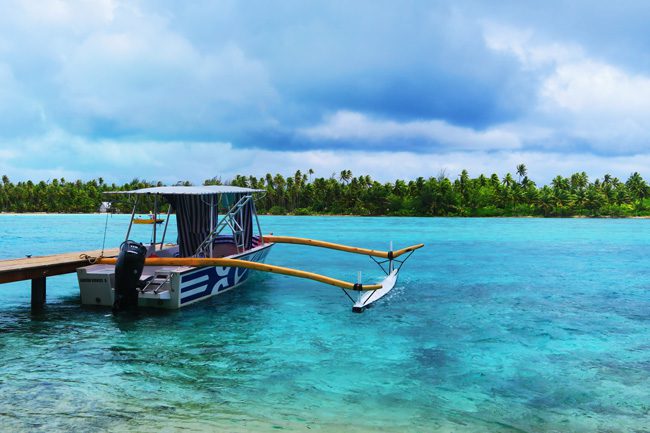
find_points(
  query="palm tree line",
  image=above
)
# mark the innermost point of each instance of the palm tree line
(344, 193)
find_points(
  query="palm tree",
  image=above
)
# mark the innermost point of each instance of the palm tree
(495, 181)
(345, 176)
(638, 188)
(463, 184)
(560, 183)
(607, 178)
(521, 171)
(508, 181)
(579, 181)
(361, 195)
(594, 200)
(546, 200)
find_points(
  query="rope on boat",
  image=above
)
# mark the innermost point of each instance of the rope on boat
(235, 263)
(356, 250)
(92, 260)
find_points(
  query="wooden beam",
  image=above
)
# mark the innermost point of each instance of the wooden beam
(346, 248)
(236, 263)
(46, 266)
(38, 292)
(40, 271)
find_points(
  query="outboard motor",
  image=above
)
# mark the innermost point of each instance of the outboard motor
(128, 270)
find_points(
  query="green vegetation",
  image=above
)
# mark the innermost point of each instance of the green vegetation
(346, 194)
(70, 197)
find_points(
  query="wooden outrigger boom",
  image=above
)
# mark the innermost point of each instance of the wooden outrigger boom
(347, 248)
(234, 263)
(368, 293)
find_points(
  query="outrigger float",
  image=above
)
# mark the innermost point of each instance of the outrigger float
(213, 254)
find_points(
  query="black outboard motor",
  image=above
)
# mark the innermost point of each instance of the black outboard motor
(128, 270)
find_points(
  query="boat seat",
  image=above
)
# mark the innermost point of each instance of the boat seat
(165, 252)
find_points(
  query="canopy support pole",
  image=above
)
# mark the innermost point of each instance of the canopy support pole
(155, 219)
(169, 211)
(128, 232)
(210, 245)
(257, 220)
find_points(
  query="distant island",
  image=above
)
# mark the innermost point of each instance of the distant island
(345, 194)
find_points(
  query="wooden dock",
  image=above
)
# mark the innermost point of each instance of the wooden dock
(39, 268)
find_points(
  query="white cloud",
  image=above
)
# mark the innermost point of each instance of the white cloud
(110, 67)
(6, 154)
(347, 125)
(173, 161)
(18, 112)
(70, 14)
(75, 74)
(140, 74)
(580, 99)
(595, 88)
(531, 52)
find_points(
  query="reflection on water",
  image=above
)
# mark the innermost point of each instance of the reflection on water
(499, 325)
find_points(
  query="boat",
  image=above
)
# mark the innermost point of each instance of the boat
(148, 220)
(219, 242)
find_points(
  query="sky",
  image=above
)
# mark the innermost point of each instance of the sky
(169, 91)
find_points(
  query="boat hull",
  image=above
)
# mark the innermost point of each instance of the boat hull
(147, 221)
(366, 299)
(176, 287)
(198, 284)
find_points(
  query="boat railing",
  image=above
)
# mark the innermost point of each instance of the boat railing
(228, 220)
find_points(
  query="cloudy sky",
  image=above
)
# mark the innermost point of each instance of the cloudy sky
(395, 89)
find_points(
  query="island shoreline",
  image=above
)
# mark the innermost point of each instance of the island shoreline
(366, 216)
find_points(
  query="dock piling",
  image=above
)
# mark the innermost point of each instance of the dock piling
(37, 268)
(38, 292)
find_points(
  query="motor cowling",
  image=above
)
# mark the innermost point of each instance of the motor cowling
(128, 269)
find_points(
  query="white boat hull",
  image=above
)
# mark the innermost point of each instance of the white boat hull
(367, 298)
(170, 287)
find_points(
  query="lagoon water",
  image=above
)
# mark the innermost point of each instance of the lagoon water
(498, 325)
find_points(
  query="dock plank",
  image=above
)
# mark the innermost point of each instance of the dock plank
(46, 266)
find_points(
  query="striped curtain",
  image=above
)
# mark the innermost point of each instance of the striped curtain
(192, 220)
(245, 219)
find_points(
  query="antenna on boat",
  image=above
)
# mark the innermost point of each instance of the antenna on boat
(105, 229)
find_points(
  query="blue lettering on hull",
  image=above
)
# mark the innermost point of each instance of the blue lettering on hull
(205, 282)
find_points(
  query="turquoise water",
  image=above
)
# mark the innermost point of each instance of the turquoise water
(498, 325)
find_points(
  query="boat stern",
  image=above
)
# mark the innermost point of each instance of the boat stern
(159, 286)
(96, 284)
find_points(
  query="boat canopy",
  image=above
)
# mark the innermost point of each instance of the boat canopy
(190, 190)
(196, 214)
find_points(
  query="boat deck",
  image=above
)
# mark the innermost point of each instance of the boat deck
(147, 271)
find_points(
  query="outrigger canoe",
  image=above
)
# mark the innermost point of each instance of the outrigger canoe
(213, 254)
(149, 220)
